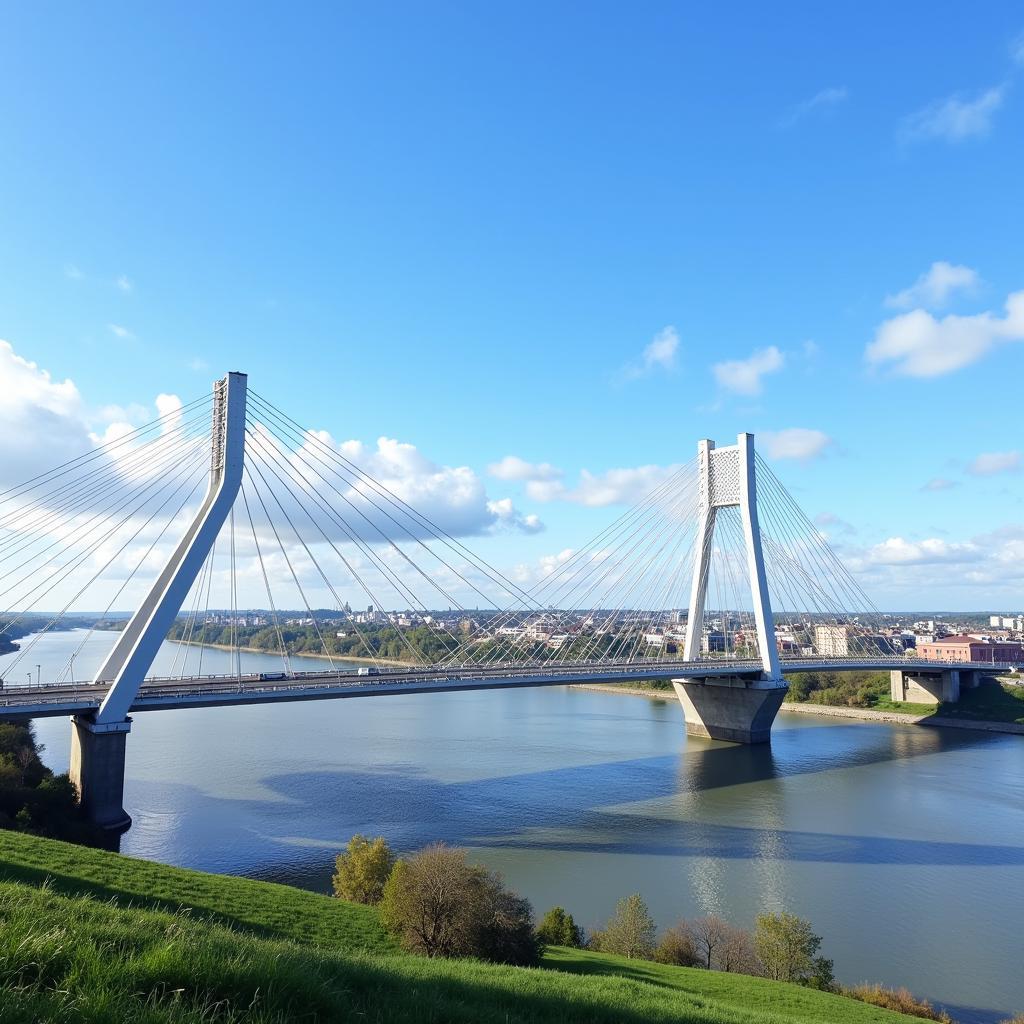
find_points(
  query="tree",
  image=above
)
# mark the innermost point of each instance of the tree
(710, 933)
(361, 871)
(439, 905)
(676, 946)
(630, 931)
(737, 954)
(786, 946)
(557, 928)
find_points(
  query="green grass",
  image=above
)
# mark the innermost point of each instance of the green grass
(237, 950)
(274, 911)
(1001, 703)
(989, 702)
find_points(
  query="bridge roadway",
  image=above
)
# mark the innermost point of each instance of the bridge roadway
(54, 699)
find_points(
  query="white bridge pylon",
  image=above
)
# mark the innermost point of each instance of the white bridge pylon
(727, 478)
(131, 657)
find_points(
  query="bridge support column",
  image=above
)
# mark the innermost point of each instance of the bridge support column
(97, 771)
(733, 709)
(919, 687)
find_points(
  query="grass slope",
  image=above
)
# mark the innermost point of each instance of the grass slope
(267, 953)
(274, 911)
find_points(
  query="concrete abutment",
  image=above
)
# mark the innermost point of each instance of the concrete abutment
(733, 709)
(920, 687)
(97, 771)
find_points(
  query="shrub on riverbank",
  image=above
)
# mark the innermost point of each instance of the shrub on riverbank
(901, 1001)
(362, 869)
(557, 928)
(439, 905)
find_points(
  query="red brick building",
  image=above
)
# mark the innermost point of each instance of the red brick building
(967, 648)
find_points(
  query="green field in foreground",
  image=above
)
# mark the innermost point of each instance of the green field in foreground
(87, 935)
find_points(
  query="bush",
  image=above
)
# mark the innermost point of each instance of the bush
(677, 946)
(557, 928)
(630, 931)
(363, 869)
(438, 905)
(901, 1001)
(786, 946)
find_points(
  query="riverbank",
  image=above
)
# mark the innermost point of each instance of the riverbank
(299, 654)
(125, 939)
(827, 711)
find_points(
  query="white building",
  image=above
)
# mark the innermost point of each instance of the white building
(832, 641)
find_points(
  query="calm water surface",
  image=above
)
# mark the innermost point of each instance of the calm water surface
(904, 846)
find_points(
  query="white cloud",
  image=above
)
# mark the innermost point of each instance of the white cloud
(897, 551)
(42, 420)
(1017, 49)
(916, 344)
(826, 99)
(660, 354)
(121, 332)
(625, 485)
(743, 376)
(955, 118)
(508, 516)
(827, 520)
(198, 365)
(525, 574)
(794, 443)
(990, 463)
(936, 286)
(511, 467)
(124, 283)
(72, 273)
(939, 483)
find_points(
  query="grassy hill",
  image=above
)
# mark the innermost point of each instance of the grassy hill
(92, 936)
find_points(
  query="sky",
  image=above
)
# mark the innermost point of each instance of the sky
(520, 258)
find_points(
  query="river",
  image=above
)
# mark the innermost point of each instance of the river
(903, 845)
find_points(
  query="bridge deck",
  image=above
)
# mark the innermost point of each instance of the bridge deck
(55, 699)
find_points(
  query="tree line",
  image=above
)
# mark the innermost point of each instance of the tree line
(436, 903)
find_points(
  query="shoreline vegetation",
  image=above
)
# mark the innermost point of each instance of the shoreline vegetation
(117, 938)
(300, 654)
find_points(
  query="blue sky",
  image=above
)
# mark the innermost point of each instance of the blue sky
(581, 235)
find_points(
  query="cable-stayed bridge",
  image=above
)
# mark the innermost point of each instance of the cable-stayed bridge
(715, 581)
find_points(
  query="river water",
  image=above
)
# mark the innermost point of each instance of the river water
(903, 845)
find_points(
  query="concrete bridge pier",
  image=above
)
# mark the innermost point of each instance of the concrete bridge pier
(925, 687)
(730, 708)
(97, 771)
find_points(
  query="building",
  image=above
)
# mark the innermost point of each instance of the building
(832, 641)
(968, 649)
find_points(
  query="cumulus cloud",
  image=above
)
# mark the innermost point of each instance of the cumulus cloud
(936, 286)
(955, 118)
(799, 443)
(508, 516)
(124, 283)
(939, 483)
(916, 344)
(897, 551)
(953, 573)
(826, 99)
(659, 354)
(511, 467)
(619, 486)
(990, 463)
(743, 376)
(43, 420)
